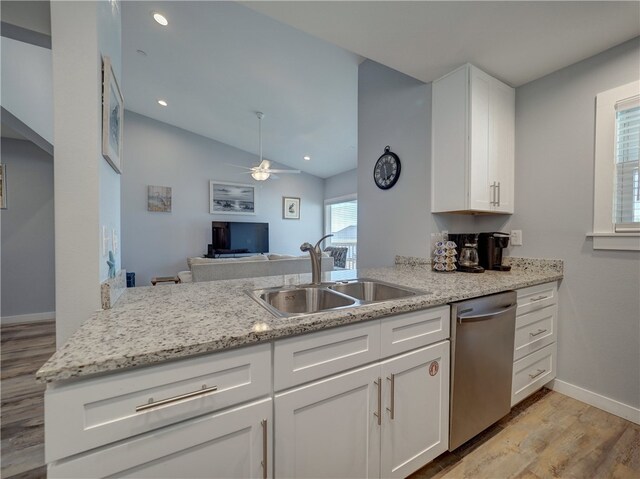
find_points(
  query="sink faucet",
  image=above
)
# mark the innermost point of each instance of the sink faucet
(316, 254)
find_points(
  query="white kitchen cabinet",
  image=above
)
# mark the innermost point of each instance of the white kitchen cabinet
(231, 444)
(473, 129)
(415, 426)
(384, 420)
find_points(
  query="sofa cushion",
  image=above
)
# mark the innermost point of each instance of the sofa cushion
(200, 260)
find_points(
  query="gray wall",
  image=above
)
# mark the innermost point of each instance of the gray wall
(156, 153)
(342, 184)
(599, 327)
(394, 110)
(27, 249)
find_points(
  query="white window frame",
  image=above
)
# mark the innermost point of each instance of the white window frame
(604, 234)
(332, 201)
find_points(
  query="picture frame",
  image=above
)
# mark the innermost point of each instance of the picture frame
(159, 199)
(3, 187)
(227, 198)
(112, 113)
(290, 208)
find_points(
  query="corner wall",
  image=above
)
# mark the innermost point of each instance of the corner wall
(27, 262)
(158, 244)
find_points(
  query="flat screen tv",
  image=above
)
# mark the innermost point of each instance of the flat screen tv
(237, 237)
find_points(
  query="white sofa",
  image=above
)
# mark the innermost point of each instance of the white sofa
(214, 269)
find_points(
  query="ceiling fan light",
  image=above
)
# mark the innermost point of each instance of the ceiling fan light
(260, 175)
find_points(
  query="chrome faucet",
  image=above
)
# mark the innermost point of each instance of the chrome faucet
(316, 256)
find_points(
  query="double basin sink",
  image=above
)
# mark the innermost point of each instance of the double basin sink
(311, 298)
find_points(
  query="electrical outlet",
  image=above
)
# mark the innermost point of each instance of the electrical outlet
(445, 235)
(516, 237)
(114, 239)
(105, 241)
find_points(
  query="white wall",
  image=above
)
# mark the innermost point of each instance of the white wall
(27, 246)
(86, 191)
(342, 184)
(599, 327)
(394, 110)
(160, 154)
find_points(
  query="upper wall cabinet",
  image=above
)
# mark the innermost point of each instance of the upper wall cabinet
(473, 123)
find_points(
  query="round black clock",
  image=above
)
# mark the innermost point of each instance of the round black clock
(387, 170)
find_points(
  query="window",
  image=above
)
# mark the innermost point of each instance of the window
(616, 212)
(341, 220)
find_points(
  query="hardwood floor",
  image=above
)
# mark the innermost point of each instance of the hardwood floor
(546, 436)
(25, 347)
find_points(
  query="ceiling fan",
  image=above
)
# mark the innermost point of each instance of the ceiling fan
(263, 171)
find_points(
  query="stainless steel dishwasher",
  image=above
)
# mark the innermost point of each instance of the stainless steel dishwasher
(482, 338)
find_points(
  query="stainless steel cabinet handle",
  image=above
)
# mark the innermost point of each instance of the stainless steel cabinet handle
(162, 402)
(498, 201)
(392, 409)
(538, 332)
(378, 414)
(493, 194)
(264, 463)
(540, 371)
(539, 298)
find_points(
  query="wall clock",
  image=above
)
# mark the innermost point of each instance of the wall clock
(387, 170)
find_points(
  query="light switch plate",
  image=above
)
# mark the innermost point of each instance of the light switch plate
(105, 241)
(114, 239)
(516, 237)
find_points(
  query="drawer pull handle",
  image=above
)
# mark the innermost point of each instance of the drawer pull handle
(540, 371)
(392, 409)
(162, 402)
(263, 423)
(539, 298)
(378, 414)
(538, 332)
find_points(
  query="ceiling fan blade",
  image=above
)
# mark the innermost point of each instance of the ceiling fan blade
(264, 165)
(238, 166)
(284, 171)
(275, 177)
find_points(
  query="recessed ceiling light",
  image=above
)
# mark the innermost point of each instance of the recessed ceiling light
(162, 102)
(161, 19)
(307, 158)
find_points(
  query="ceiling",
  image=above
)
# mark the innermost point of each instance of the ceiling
(515, 41)
(217, 63)
(8, 132)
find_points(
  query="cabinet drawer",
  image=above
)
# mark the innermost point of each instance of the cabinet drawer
(537, 297)
(94, 412)
(313, 356)
(535, 330)
(533, 372)
(409, 331)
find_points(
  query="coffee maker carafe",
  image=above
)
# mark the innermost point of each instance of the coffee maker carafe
(490, 246)
(467, 244)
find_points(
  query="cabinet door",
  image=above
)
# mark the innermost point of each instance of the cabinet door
(328, 428)
(415, 429)
(226, 445)
(480, 194)
(501, 145)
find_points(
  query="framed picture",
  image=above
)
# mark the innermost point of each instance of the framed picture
(3, 187)
(159, 198)
(290, 208)
(231, 198)
(112, 111)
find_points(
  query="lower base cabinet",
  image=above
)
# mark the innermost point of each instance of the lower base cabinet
(232, 444)
(384, 420)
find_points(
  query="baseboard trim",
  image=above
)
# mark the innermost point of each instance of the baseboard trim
(612, 406)
(28, 318)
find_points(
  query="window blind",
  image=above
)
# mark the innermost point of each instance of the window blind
(626, 215)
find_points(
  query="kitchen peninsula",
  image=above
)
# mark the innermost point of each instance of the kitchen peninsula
(202, 399)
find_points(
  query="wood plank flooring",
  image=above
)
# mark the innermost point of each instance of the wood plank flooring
(25, 347)
(546, 436)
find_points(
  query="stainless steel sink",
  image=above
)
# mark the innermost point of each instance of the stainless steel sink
(307, 299)
(372, 290)
(302, 300)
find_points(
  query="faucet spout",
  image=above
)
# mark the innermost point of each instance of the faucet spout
(315, 253)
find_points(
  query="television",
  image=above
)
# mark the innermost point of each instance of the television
(239, 237)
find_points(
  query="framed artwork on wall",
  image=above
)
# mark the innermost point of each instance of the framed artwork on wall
(112, 111)
(290, 208)
(159, 198)
(231, 198)
(3, 187)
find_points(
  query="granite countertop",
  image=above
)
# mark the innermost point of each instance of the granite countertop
(157, 323)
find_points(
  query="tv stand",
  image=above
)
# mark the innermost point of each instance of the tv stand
(217, 253)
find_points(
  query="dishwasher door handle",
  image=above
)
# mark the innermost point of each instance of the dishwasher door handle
(486, 316)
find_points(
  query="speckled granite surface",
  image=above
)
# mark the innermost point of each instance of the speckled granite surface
(111, 289)
(153, 324)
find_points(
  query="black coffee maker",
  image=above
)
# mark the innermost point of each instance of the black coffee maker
(467, 242)
(490, 246)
